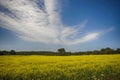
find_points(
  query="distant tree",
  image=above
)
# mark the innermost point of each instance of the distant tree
(107, 50)
(118, 50)
(96, 52)
(1, 53)
(12, 52)
(5, 52)
(102, 50)
(61, 50)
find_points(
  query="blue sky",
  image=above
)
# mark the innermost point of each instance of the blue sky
(77, 25)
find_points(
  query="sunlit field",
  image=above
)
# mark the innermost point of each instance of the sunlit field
(36, 67)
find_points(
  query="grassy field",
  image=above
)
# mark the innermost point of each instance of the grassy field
(36, 67)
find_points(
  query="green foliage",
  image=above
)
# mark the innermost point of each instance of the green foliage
(61, 50)
(88, 67)
(118, 50)
(107, 50)
(1, 53)
(12, 52)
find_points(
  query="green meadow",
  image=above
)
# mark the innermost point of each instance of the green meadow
(38, 67)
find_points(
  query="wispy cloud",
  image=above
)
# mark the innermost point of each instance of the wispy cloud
(39, 21)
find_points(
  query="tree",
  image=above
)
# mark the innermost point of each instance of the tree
(61, 50)
(107, 50)
(1, 53)
(118, 50)
(5, 52)
(12, 52)
(96, 52)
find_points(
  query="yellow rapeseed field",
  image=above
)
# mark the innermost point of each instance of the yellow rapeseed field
(37, 67)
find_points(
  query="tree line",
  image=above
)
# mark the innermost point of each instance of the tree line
(62, 51)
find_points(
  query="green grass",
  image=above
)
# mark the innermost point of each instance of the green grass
(36, 67)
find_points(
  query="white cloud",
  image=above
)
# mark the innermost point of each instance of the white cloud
(40, 22)
(86, 38)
